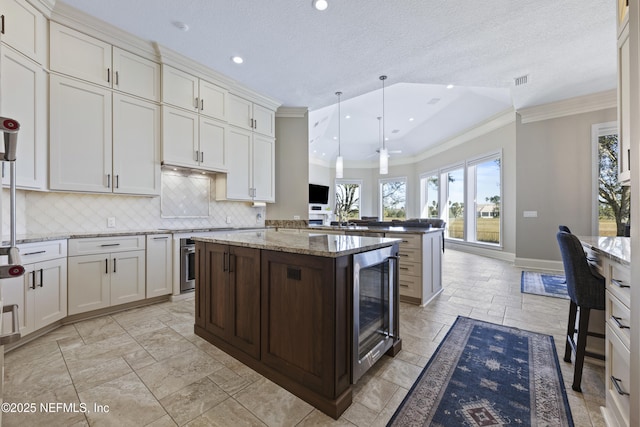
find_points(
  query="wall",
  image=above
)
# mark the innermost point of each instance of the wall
(292, 152)
(54, 212)
(554, 178)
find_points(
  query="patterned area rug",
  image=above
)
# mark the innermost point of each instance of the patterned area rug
(549, 285)
(484, 374)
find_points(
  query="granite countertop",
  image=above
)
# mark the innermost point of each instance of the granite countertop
(324, 245)
(615, 248)
(377, 229)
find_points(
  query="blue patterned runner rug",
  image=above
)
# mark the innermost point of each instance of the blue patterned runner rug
(549, 285)
(483, 374)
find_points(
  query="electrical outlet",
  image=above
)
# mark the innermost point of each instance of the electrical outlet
(296, 217)
(258, 218)
(228, 220)
(111, 222)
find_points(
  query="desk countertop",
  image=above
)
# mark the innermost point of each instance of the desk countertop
(615, 248)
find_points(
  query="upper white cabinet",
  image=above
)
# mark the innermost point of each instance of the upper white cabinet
(78, 55)
(187, 91)
(248, 115)
(624, 107)
(23, 89)
(24, 28)
(250, 171)
(95, 150)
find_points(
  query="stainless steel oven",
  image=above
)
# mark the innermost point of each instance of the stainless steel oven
(374, 301)
(187, 265)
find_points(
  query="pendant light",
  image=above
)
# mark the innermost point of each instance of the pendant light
(384, 155)
(339, 161)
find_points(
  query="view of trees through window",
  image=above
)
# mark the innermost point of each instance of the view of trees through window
(393, 196)
(455, 203)
(486, 175)
(429, 200)
(613, 198)
(348, 200)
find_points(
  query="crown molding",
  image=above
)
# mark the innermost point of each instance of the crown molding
(292, 112)
(44, 6)
(569, 107)
(496, 122)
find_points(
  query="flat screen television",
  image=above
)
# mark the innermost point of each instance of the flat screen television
(318, 194)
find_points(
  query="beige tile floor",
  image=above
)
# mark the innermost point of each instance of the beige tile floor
(148, 367)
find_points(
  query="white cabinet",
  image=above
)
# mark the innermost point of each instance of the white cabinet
(159, 265)
(24, 28)
(187, 91)
(250, 167)
(41, 293)
(624, 106)
(420, 266)
(248, 115)
(104, 272)
(23, 89)
(81, 124)
(192, 140)
(78, 55)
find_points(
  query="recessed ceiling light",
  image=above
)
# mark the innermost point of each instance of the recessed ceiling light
(320, 4)
(335, 138)
(181, 26)
(237, 59)
(410, 119)
(449, 86)
(347, 116)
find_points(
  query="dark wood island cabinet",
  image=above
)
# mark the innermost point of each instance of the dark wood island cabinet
(283, 305)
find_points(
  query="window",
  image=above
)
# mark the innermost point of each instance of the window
(348, 198)
(454, 201)
(429, 196)
(612, 198)
(393, 199)
(484, 177)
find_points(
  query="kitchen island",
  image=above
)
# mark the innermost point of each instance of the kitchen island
(284, 305)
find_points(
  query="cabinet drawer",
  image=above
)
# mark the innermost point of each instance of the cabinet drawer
(409, 255)
(42, 251)
(617, 372)
(620, 281)
(100, 245)
(410, 286)
(410, 268)
(618, 318)
(408, 240)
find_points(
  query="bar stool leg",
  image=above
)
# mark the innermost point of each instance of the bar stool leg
(571, 328)
(583, 328)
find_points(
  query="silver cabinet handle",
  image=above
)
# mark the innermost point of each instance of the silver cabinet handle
(15, 328)
(197, 157)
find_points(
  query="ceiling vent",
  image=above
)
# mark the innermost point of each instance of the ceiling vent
(433, 101)
(522, 80)
(395, 131)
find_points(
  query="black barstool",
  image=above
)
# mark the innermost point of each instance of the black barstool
(586, 290)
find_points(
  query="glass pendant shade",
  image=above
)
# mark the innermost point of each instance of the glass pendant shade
(339, 167)
(384, 161)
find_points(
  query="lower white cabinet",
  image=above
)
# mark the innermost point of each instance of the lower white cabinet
(41, 293)
(112, 273)
(159, 265)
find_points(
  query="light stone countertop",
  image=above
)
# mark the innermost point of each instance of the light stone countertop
(377, 229)
(324, 245)
(615, 248)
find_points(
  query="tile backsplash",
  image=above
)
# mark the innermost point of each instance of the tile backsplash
(51, 212)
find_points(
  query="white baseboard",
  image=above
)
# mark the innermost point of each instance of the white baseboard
(539, 264)
(477, 250)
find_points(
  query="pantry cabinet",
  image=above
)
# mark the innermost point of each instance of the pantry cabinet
(24, 28)
(251, 116)
(41, 293)
(23, 89)
(159, 265)
(84, 57)
(105, 272)
(250, 171)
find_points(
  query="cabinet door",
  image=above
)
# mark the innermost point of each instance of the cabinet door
(179, 137)
(213, 100)
(213, 150)
(624, 108)
(24, 29)
(127, 277)
(244, 288)
(79, 55)
(136, 75)
(17, 290)
(88, 282)
(238, 179)
(216, 290)
(136, 146)
(50, 296)
(264, 120)
(23, 85)
(80, 136)
(240, 112)
(159, 265)
(263, 168)
(179, 88)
